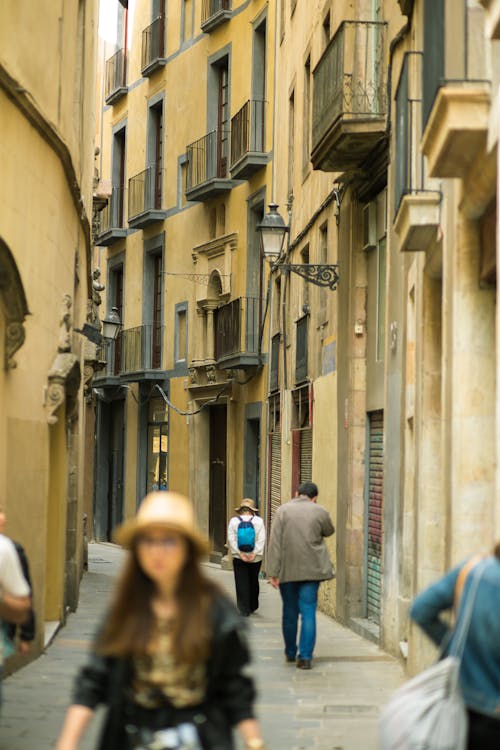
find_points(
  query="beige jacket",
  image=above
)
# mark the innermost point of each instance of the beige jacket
(297, 550)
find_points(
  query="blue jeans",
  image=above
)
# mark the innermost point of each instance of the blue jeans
(299, 597)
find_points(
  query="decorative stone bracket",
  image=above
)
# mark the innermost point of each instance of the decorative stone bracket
(63, 384)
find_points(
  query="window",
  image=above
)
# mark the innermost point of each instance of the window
(180, 332)
(291, 140)
(222, 117)
(155, 155)
(118, 178)
(152, 303)
(323, 259)
(182, 181)
(306, 145)
(157, 478)
(116, 294)
(156, 333)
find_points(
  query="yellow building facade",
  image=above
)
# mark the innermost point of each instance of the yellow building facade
(186, 154)
(46, 152)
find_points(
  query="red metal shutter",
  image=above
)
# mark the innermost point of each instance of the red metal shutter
(305, 456)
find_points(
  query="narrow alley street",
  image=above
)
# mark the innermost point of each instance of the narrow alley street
(333, 707)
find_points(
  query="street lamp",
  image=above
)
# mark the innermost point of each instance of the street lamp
(111, 325)
(273, 231)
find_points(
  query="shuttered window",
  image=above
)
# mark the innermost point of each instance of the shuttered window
(375, 514)
(305, 456)
(274, 474)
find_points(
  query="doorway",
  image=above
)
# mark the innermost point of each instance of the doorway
(217, 482)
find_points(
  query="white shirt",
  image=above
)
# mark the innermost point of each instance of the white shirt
(260, 535)
(12, 579)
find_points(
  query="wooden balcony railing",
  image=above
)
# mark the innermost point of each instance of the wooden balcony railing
(141, 348)
(247, 129)
(116, 75)
(153, 44)
(237, 328)
(145, 191)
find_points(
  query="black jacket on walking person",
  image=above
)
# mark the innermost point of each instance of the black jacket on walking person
(27, 629)
(169, 659)
(229, 699)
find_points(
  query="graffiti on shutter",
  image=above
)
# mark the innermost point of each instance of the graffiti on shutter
(275, 481)
(305, 456)
(375, 507)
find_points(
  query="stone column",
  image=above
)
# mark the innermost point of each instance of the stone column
(210, 340)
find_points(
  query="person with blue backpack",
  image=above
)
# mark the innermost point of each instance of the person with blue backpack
(246, 536)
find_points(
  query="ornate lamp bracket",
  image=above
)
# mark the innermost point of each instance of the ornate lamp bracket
(319, 274)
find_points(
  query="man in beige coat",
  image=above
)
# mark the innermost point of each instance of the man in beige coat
(298, 561)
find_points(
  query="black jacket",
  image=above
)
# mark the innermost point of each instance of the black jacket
(230, 693)
(27, 629)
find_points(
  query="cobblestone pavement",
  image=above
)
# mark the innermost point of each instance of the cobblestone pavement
(333, 707)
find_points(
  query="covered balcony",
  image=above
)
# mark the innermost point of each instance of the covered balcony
(236, 328)
(116, 77)
(417, 199)
(112, 219)
(248, 139)
(145, 192)
(207, 166)
(456, 92)
(213, 13)
(153, 47)
(349, 96)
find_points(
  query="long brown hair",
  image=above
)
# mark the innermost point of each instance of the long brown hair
(496, 550)
(131, 624)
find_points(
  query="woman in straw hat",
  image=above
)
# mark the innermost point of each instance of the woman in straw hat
(168, 661)
(247, 559)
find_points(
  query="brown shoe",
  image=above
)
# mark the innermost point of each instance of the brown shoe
(303, 664)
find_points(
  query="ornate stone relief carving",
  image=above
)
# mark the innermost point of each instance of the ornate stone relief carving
(64, 376)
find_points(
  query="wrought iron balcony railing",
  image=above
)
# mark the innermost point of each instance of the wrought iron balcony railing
(214, 12)
(349, 94)
(112, 216)
(153, 46)
(116, 77)
(301, 349)
(145, 197)
(207, 165)
(248, 138)
(237, 330)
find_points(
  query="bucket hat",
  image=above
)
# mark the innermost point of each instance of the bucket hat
(163, 510)
(247, 503)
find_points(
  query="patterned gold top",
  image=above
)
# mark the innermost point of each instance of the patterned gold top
(158, 675)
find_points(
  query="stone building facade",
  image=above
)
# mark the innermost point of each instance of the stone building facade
(185, 150)
(46, 152)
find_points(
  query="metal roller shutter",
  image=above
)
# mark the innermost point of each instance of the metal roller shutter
(275, 471)
(305, 456)
(375, 514)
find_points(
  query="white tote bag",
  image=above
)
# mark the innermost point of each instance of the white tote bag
(428, 712)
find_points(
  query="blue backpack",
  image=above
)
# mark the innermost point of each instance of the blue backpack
(246, 536)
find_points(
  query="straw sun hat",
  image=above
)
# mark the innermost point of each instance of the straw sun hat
(247, 503)
(163, 510)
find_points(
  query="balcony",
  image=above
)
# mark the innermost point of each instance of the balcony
(455, 91)
(111, 219)
(116, 77)
(141, 351)
(349, 96)
(248, 140)
(207, 173)
(153, 47)
(237, 333)
(213, 13)
(301, 370)
(418, 205)
(145, 198)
